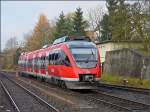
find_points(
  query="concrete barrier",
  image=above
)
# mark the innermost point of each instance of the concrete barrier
(127, 62)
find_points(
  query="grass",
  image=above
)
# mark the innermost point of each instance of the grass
(119, 80)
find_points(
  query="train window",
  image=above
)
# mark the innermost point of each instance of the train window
(50, 58)
(30, 62)
(35, 62)
(54, 60)
(46, 61)
(56, 56)
(67, 62)
(57, 59)
(53, 57)
(39, 62)
(64, 59)
(43, 62)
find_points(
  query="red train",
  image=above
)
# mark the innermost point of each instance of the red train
(70, 62)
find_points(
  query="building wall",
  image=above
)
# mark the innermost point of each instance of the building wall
(110, 46)
(127, 62)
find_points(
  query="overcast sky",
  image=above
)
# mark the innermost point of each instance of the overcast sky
(19, 18)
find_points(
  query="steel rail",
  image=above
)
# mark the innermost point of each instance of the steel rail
(133, 89)
(34, 95)
(10, 97)
(106, 102)
(111, 104)
(128, 100)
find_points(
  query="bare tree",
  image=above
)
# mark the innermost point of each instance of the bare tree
(11, 43)
(95, 15)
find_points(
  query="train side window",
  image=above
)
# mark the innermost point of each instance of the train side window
(67, 62)
(52, 60)
(59, 58)
(29, 63)
(46, 61)
(50, 57)
(39, 62)
(56, 59)
(64, 59)
(34, 62)
(43, 61)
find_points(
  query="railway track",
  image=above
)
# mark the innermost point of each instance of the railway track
(115, 101)
(35, 97)
(10, 97)
(126, 88)
(70, 93)
(122, 103)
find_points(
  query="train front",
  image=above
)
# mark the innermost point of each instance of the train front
(85, 64)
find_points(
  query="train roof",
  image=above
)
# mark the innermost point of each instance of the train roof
(71, 38)
(74, 42)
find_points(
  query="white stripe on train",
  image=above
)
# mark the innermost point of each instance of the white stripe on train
(61, 78)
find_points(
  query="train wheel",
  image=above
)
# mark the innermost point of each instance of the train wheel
(63, 85)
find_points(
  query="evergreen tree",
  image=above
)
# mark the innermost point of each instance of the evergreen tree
(70, 24)
(79, 23)
(105, 28)
(64, 25)
(106, 22)
(116, 25)
(60, 26)
(111, 6)
(120, 21)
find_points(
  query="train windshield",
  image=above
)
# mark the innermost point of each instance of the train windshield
(85, 57)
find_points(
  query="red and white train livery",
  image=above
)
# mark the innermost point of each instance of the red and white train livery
(72, 63)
